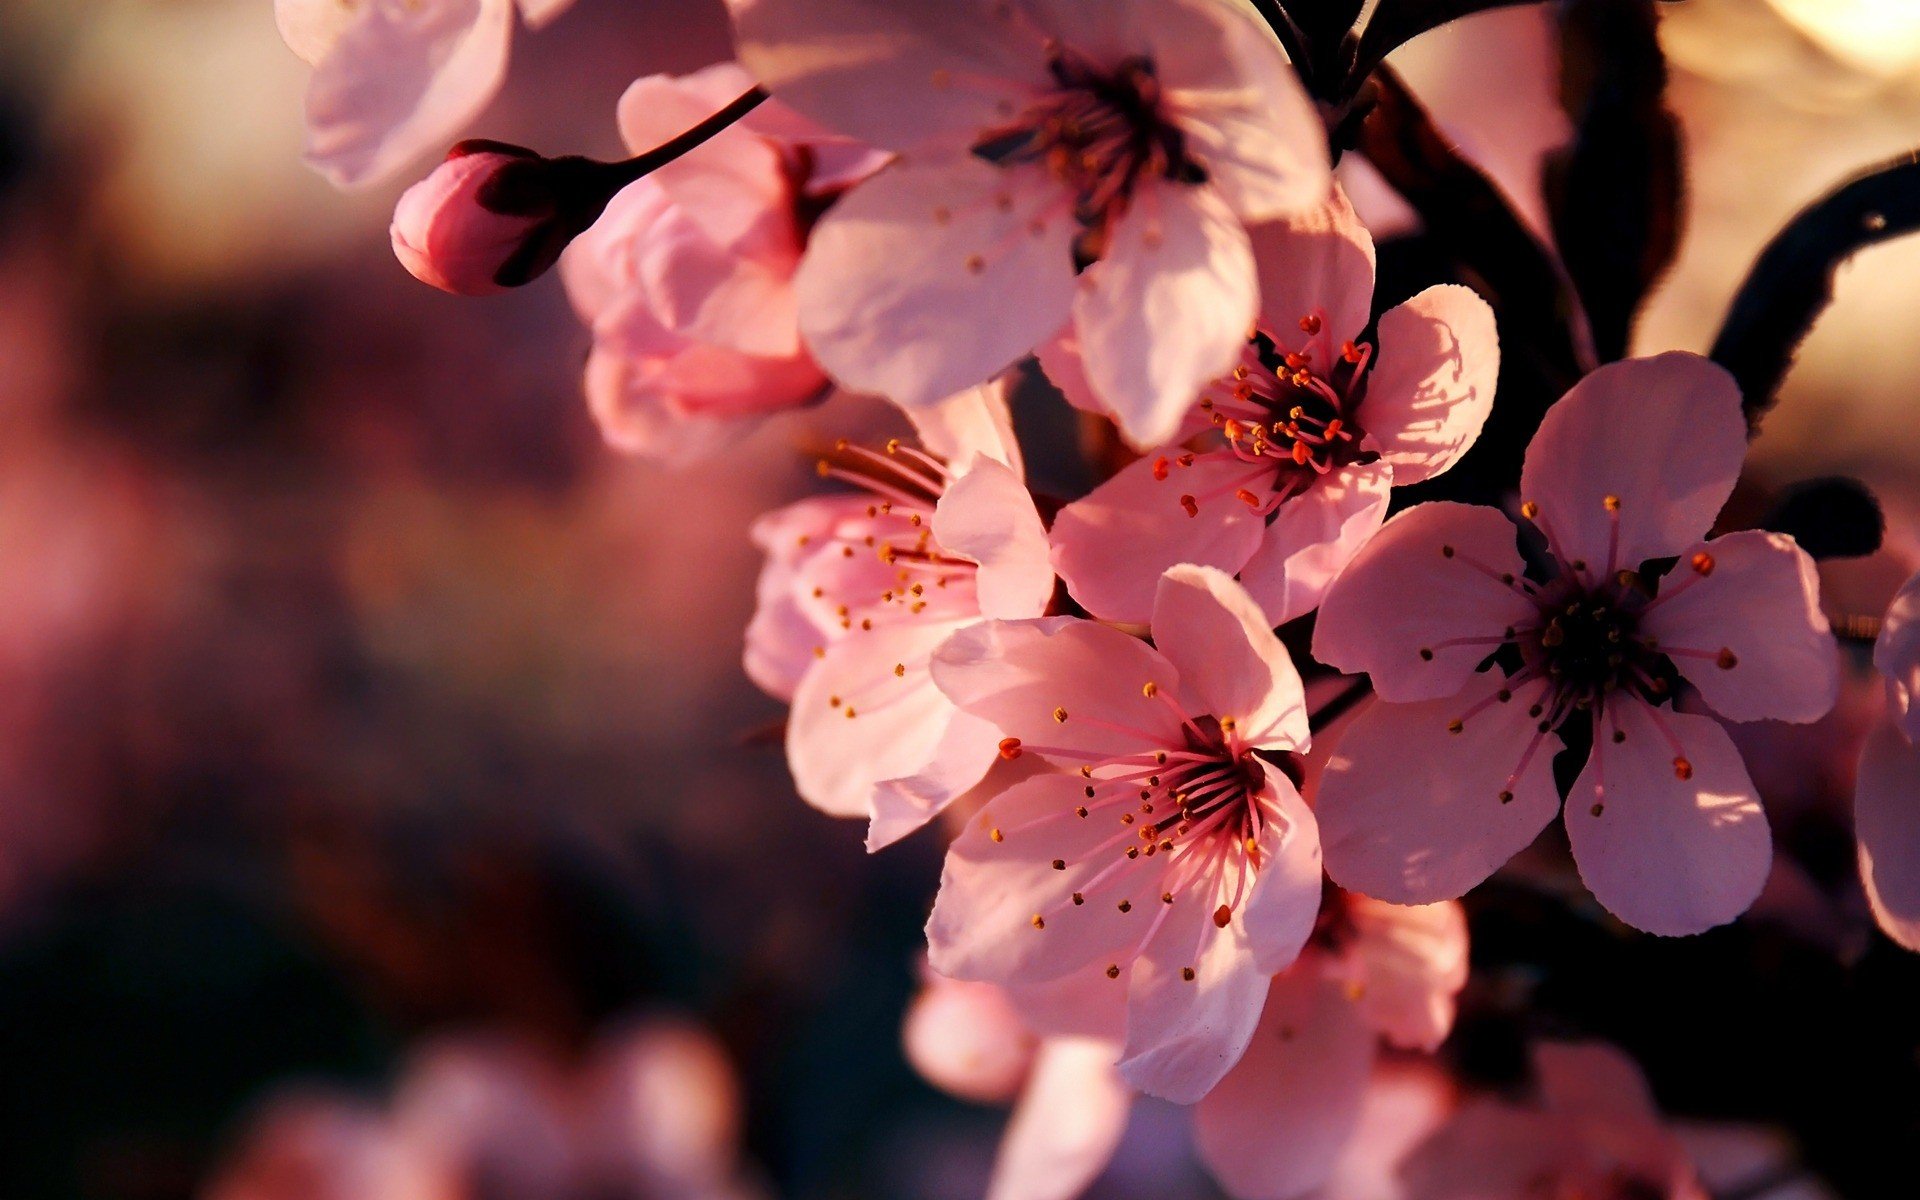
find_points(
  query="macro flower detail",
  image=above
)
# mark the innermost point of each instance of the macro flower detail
(395, 79)
(1487, 663)
(1282, 467)
(1886, 799)
(859, 590)
(484, 221)
(1060, 163)
(687, 280)
(1161, 849)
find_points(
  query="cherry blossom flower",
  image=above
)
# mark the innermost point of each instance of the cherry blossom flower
(1300, 443)
(687, 279)
(858, 591)
(449, 230)
(1594, 1133)
(1279, 1124)
(1886, 800)
(1060, 162)
(1161, 850)
(395, 79)
(1451, 775)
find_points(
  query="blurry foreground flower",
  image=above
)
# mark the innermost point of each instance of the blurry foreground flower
(1625, 602)
(1886, 802)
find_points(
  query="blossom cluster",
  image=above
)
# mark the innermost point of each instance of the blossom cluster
(1179, 861)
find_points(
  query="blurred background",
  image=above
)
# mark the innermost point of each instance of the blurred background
(356, 703)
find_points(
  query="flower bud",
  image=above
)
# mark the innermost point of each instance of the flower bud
(494, 216)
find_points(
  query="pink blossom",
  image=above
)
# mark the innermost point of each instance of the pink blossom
(687, 279)
(1451, 774)
(1594, 1133)
(1300, 443)
(1285, 1119)
(451, 232)
(858, 591)
(1160, 851)
(395, 79)
(1886, 800)
(1060, 163)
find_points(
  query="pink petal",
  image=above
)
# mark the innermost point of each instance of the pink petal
(707, 294)
(1065, 369)
(1025, 675)
(1277, 1123)
(1668, 855)
(899, 724)
(1593, 1079)
(1284, 903)
(982, 926)
(403, 80)
(936, 275)
(1193, 997)
(1759, 614)
(638, 416)
(537, 13)
(1411, 813)
(1318, 262)
(782, 636)
(1313, 536)
(893, 75)
(312, 27)
(988, 516)
(973, 422)
(1403, 594)
(1225, 650)
(1113, 546)
(1433, 381)
(1896, 654)
(1411, 963)
(957, 764)
(967, 1039)
(1664, 434)
(1084, 1005)
(1886, 817)
(1167, 310)
(1239, 104)
(1066, 1126)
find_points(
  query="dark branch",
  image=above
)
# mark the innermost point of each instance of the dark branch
(1791, 282)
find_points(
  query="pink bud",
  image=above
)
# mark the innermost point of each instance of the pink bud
(480, 223)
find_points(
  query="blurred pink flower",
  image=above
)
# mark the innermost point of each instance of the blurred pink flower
(1451, 774)
(857, 592)
(1304, 439)
(1161, 849)
(449, 233)
(1060, 162)
(1286, 1118)
(1887, 791)
(1595, 1133)
(654, 1111)
(687, 279)
(395, 79)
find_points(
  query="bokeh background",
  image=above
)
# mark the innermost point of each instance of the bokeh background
(353, 696)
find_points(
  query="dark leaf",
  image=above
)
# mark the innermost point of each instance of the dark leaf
(1616, 192)
(1835, 517)
(1791, 282)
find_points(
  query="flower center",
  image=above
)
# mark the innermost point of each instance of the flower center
(897, 569)
(1101, 132)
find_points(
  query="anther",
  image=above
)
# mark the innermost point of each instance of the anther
(1125, 906)
(1160, 466)
(1059, 864)
(1150, 689)
(1079, 899)
(1426, 655)
(1682, 769)
(1310, 324)
(1456, 725)
(1113, 970)
(1191, 505)
(1186, 973)
(899, 669)
(996, 835)
(1060, 715)
(1039, 922)
(1611, 502)
(1221, 916)
(1726, 660)
(1597, 809)
(1009, 748)
(1446, 551)
(1701, 562)
(1081, 811)
(1529, 510)
(1506, 797)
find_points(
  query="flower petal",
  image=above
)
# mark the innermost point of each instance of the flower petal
(1065, 1128)
(1664, 434)
(898, 724)
(1750, 635)
(1411, 962)
(1226, 652)
(973, 422)
(1411, 813)
(1313, 536)
(1403, 595)
(402, 80)
(1030, 678)
(1317, 262)
(1432, 382)
(1277, 1123)
(993, 887)
(1240, 105)
(1886, 818)
(782, 637)
(1668, 848)
(1113, 546)
(538, 12)
(1167, 310)
(1896, 654)
(1284, 903)
(967, 1039)
(988, 516)
(312, 27)
(893, 75)
(936, 275)
(957, 764)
